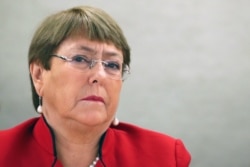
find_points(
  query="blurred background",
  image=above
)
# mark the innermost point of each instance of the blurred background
(190, 70)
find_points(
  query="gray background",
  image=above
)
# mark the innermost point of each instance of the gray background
(190, 70)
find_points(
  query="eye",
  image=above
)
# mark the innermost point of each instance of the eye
(112, 65)
(79, 59)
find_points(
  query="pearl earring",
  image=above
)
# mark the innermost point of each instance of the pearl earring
(39, 108)
(115, 121)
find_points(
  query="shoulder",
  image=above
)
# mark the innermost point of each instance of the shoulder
(26, 142)
(132, 131)
(18, 133)
(17, 136)
(151, 144)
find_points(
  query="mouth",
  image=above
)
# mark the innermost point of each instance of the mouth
(94, 98)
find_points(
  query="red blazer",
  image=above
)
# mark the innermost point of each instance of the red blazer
(31, 144)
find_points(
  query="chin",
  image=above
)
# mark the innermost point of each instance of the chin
(92, 121)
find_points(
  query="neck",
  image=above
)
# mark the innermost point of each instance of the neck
(75, 154)
(76, 145)
(80, 150)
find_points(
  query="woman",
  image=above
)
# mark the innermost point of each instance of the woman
(78, 60)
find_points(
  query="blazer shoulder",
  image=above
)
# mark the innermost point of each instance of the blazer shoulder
(17, 132)
(152, 144)
(183, 157)
(130, 131)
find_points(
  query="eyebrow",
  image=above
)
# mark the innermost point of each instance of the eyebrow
(86, 48)
(111, 53)
(106, 53)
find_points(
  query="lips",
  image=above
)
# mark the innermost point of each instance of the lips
(94, 98)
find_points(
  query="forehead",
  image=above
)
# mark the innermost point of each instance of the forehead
(86, 46)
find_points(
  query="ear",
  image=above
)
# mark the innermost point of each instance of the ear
(36, 72)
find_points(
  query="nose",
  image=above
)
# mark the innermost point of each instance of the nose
(96, 71)
(93, 63)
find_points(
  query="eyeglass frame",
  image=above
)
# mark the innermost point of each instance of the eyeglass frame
(92, 62)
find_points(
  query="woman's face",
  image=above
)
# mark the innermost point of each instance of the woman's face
(72, 95)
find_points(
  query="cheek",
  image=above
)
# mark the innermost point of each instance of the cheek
(114, 94)
(61, 89)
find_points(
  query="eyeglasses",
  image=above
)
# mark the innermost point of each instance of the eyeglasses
(114, 70)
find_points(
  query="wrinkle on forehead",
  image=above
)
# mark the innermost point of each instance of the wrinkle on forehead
(95, 48)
